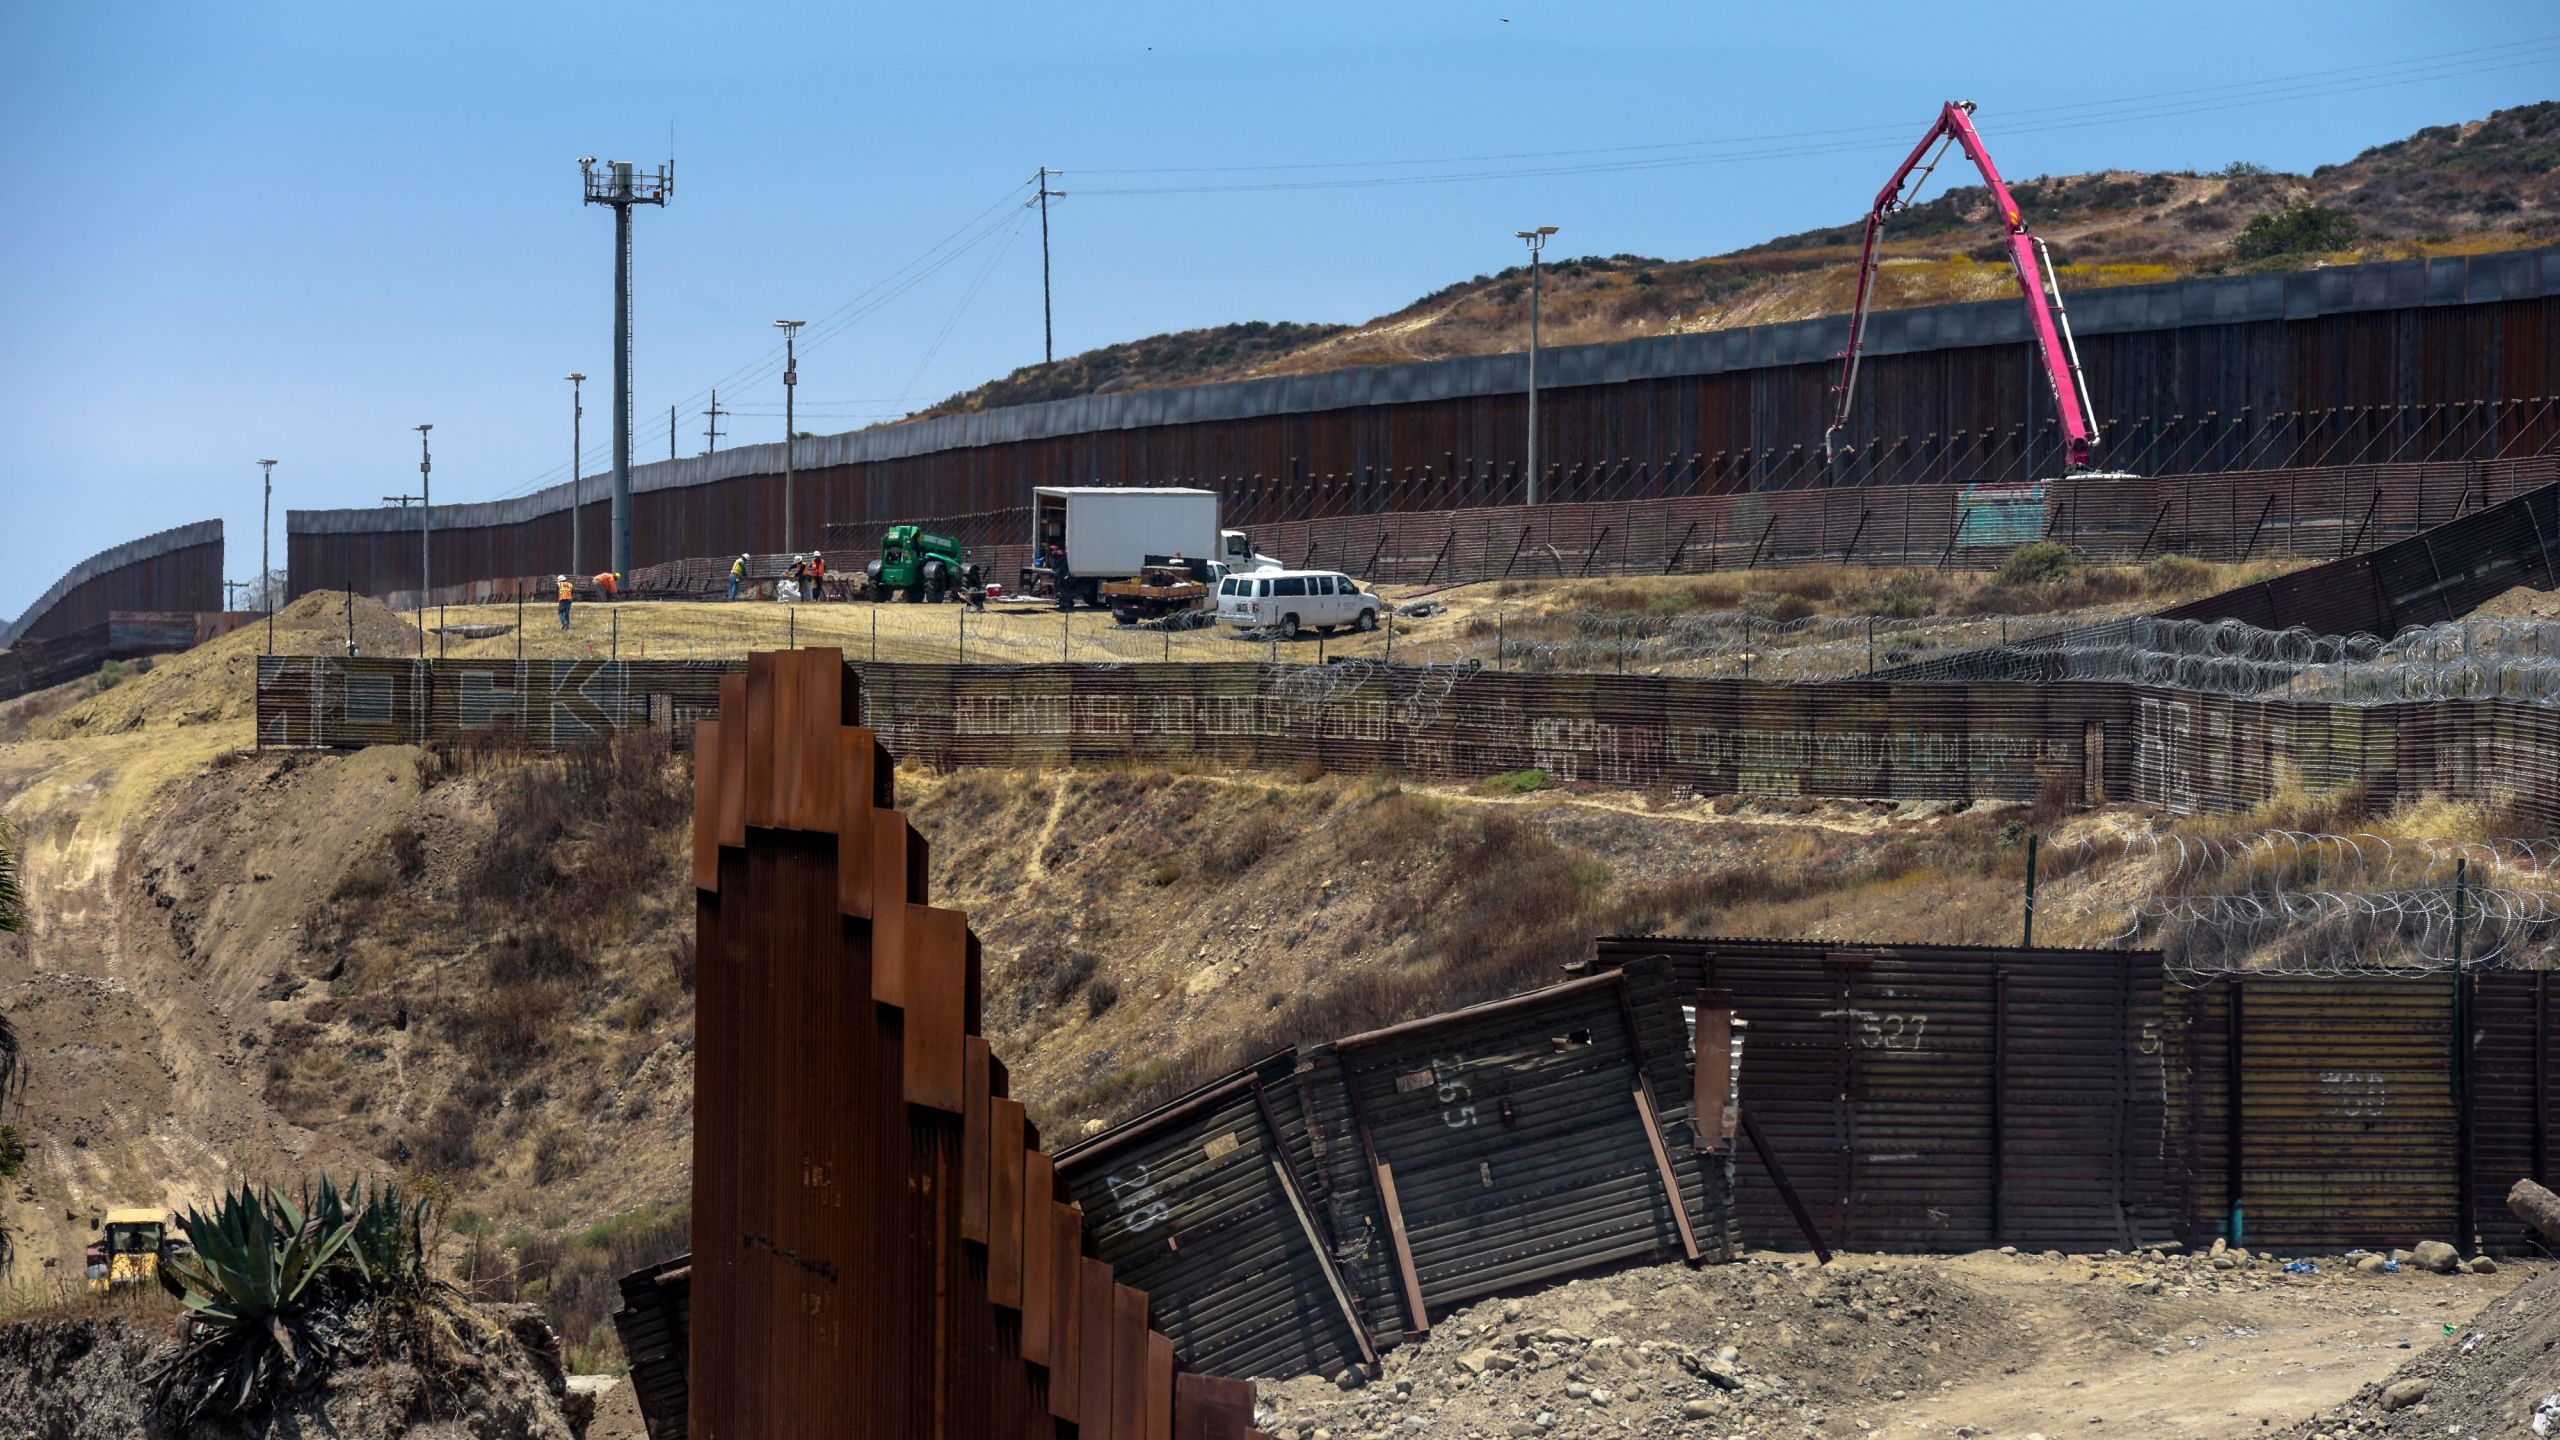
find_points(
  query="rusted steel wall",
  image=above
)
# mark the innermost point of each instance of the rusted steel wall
(1516, 1142)
(2404, 362)
(1305, 1213)
(2092, 741)
(33, 664)
(880, 1245)
(655, 1325)
(1942, 1098)
(2316, 513)
(175, 570)
(2368, 1113)
(1214, 1206)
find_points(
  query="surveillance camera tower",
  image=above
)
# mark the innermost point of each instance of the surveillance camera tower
(616, 184)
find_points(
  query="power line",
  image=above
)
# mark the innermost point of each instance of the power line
(994, 254)
(1891, 129)
(2144, 108)
(971, 233)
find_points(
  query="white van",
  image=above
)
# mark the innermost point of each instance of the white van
(1293, 600)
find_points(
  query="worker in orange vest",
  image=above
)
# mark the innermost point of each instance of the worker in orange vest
(565, 592)
(610, 584)
(817, 576)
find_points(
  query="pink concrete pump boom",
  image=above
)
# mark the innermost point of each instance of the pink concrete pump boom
(2045, 314)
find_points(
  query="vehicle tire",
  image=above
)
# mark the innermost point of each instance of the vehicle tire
(933, 589)
(1288, 627)
(1365, 622)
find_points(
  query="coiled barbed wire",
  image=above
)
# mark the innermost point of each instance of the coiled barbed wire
(2492, 659)
(2304, 902)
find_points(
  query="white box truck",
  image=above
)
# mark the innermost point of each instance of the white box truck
(1085, 535)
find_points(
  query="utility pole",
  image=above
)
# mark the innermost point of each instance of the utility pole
(671, 432)
(577, 445)
(426, 528)
(1048, 340)
(790, 384)
(1537, 242)
(711, 431)
(266, 528)
(617, 186)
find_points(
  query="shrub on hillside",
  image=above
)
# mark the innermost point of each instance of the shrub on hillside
(2300, 230)
(2037, 561)
(2176, 572)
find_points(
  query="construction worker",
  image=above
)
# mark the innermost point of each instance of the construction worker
(737, 575)
(800, 574)
(818, 575)
(565, 592)
(610, 585)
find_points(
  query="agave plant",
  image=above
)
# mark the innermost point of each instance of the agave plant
(388, 1245)
(248, 1287)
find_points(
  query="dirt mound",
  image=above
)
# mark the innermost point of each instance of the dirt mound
(2498, 1375)
(86, 1377)
(2520, 603)
(218, 681)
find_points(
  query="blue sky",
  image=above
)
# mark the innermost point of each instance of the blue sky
(298, 230)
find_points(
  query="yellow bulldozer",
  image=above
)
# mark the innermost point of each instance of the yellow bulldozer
(129, 1249)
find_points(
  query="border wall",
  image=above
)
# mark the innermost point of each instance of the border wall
(124, 635)
(2396, 362)
(2441, 573)
(880, 1245)
(175, 570)
(2090, 742)
(2313, 513)
(1928, 1098)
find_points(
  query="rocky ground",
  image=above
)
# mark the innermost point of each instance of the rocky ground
(1994, 1344)
(86, 1373)
(2497, 1374)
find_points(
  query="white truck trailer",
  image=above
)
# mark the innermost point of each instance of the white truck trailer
(1106, 532)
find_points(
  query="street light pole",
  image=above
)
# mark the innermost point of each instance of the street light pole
(426, 526)
(266, 528)
(1537, 241)
(790, 385)
(577, 483)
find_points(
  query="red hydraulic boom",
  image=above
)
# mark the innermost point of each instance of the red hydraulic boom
(2045, 314)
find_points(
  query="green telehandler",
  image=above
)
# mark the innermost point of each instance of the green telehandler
(920, 565)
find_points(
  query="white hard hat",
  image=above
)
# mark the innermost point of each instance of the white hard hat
(561, 577)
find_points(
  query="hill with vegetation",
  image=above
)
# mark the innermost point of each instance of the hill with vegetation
(2480, 186)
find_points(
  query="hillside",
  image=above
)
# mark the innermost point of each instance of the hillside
(2479, 186)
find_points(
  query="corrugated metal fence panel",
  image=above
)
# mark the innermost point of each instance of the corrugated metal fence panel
(1921, 1154)
(1194, 1205)
(2515, 1093)
(1942, 1098)
(1516, 1140)
(655, 1327)
(2348, 1128)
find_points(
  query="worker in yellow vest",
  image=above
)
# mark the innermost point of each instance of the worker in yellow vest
(565, 592)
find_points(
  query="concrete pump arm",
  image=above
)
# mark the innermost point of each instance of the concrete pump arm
(2045, 315)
